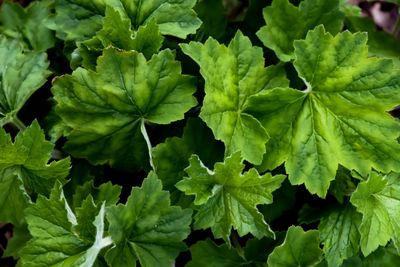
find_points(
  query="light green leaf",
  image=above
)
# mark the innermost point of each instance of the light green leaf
(232, 74)
(13, 199)
(107, 107)
(227, 198)
(24, 170)
(207, 254)
(339, 234)
(380, 43)
(147, 228)
(117, 32)
(78, 20)
(349, 9)
(27, 24)
(54, 243)
(300, 249)
(378, 200)
(287, 23)
(341, 118)
(21, 74)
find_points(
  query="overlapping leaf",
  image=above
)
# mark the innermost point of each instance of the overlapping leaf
(24, 169)
(107, 108)
(340, 118)
(55, 243)
(147, 228)
(232, 74)
(339, 234)
(27, 24)
(117, 32)
(78, 20)
(21, 74)
(287, 23)
(227, 198)
(172, 156)
(378, 200)
(207, 254)
(300, 248)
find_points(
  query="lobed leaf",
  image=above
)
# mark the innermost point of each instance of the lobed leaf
(299, 249)
(378, 200)
(147, 228)
(341, 118)
(21, 74)
(232, 74)
(287, 23)
(55, 243)
(227, 198)
(27, 25)
(77, 20)
(339, 234)
(117, 32)
(24, 171)
(106, 108)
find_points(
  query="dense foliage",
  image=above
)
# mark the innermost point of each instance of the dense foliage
(198, 133)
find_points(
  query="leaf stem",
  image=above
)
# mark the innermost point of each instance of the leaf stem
(18, 123)
(146, 137)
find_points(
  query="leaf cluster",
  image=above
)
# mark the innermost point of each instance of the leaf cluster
(198, 133)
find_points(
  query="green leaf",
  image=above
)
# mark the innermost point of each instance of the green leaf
(106, 108)
(147, 228)
(214, 23)
(78, 20)
(300, 249)
(24, 170)
(382, 257)
(106, 192)
(54, 243)
(341, 118)
(287, 23)
(342, 186)
(207, 254)
(13, 199)
(27, 24)
(350, 9)
(339, 234)
(378, 200)
(20, 236)
(117, 32)
(21, 74)
(380, 43)
(227, 198)
(232, 74)
(176, 18)
(172, 156)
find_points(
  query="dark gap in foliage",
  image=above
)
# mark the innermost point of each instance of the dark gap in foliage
(193, 238)
(59, 63)
(295, 81)
(5, 235)
(127, 180)
(37, 106)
